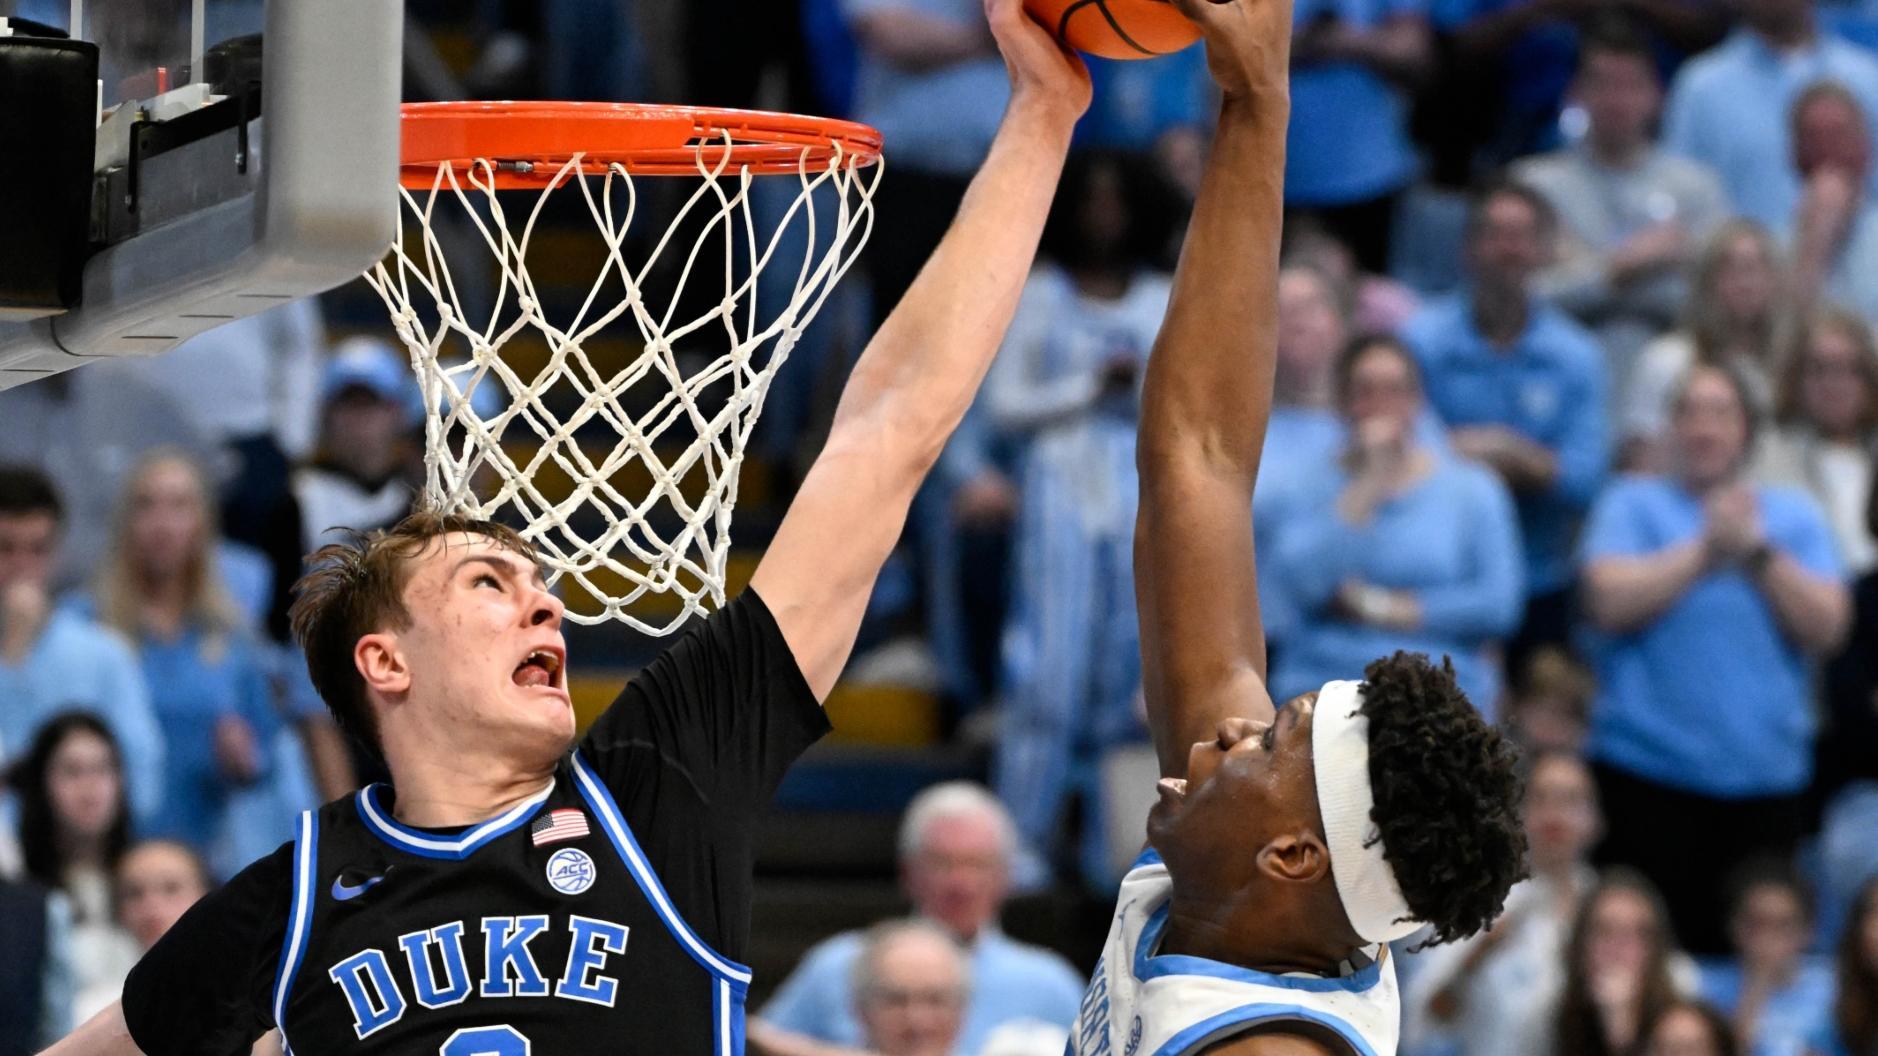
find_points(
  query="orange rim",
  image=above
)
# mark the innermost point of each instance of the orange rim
(529, 142)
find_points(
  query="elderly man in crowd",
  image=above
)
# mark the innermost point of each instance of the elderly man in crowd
(955, 853)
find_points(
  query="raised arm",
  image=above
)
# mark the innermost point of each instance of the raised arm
(1207, 397)
(917, 377)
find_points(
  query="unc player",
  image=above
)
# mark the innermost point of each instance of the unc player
(504, 895)
(1288, 845)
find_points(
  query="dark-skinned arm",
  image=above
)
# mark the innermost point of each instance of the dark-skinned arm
(1207, 398)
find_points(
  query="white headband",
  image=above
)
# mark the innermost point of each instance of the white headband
(1340, 749)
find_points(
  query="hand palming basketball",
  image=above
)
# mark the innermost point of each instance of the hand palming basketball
(1035, 60)
(1248, 42)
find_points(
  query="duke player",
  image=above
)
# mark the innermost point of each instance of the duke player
(1286, 848)
(505, 895)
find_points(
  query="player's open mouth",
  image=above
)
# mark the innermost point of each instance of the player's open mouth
(1172, 789)
(539, 668)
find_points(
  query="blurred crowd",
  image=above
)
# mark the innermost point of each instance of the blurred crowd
(1577, 386)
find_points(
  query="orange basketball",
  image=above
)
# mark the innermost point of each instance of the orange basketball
(1117, 29)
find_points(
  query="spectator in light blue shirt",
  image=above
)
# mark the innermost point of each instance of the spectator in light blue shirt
(955, 854)
(208, 673)
(1709, 595)
(1304, 432)
(54, 660)
(1775, 992)
(1394, 545)
(1522, 389)
(1348, 154)
(1729, 107)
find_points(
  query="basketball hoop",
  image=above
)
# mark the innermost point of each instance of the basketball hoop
(569, 429)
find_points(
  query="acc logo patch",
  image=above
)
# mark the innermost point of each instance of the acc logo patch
(570, 871)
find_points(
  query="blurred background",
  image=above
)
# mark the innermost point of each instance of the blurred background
(1577, 386)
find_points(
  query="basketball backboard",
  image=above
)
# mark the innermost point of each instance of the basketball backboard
(240, 154)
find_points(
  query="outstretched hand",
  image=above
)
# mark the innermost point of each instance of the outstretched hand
(1248, 42)
(1041, 70)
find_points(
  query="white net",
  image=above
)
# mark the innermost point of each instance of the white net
(618, 460)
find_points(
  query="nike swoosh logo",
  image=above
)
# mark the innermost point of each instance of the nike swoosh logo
(344, 892)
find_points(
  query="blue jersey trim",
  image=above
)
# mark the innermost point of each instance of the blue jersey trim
(1247, 1016)
(727, 1017)
(299, 917)
(598, 798)
(1149, 966)
(1149, 856)
(448, 847)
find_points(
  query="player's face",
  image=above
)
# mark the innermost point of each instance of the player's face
(484, 648)
(958, 876)
(1253, 781)
(156, 885)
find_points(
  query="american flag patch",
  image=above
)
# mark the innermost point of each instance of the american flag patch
(558, 825)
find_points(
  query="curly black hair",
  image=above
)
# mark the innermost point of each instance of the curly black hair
(1447, 795)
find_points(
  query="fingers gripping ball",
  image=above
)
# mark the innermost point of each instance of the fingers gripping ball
(1117, 29)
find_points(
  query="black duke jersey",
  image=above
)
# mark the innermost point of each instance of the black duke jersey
(604, 915)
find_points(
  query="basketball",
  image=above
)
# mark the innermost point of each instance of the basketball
(1117, 29)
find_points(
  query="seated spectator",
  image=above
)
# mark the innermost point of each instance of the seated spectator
(1377, 304)
(35, 976)
(1737, 317)
(1505, 86)
(1549, 706)
(1824, 438)
(1630, 214)
(1348, 156)
(249, 385)
(1834, 229)
(74, 830)
(156, 882)
(1304, 431)
(1710, 594)
(911, 983)
(955, 853)
(1729, 107)
(1522, 387)
(1621, 968)
(1774, 994)
(1493, 993)
(1391, 545)
(1852, 1027)
(1689, 1028)
(355, 480)
(1064, 389)
(53, 659)
(207, 671)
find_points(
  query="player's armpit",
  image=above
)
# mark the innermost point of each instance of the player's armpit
(102, 1035)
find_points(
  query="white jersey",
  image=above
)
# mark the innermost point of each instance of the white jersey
(1141, 1003)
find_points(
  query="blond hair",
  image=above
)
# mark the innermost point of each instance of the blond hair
(207, 605)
